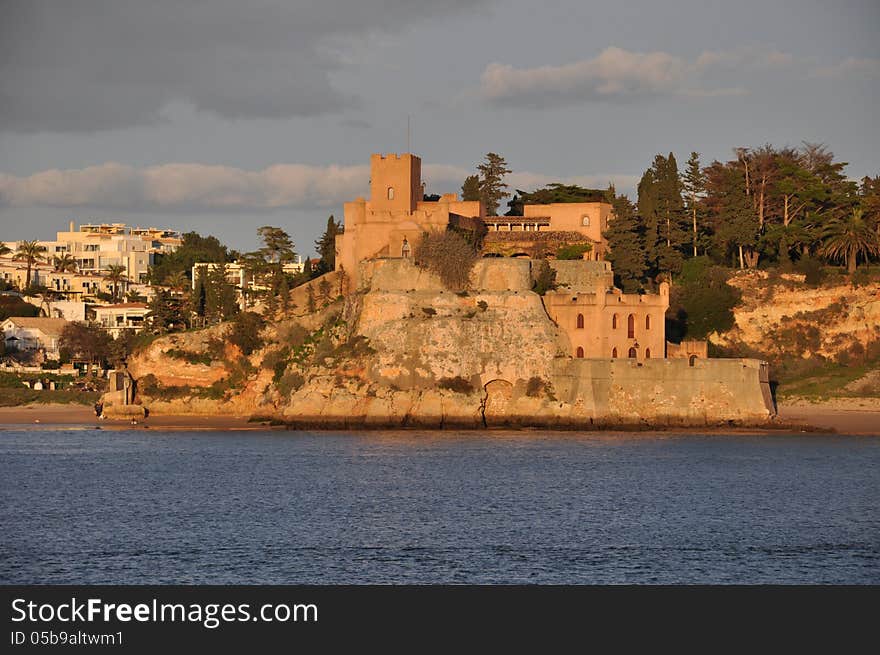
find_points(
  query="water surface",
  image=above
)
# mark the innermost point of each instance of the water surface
(101, 506)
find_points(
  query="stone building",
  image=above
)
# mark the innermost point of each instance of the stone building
(603, 322)
(599, 320)
(392, 221)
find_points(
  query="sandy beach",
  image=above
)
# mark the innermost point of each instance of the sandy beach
(83, 415)
(860, 416)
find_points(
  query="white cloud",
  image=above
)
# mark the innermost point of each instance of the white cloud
(182, 187)
(618, 74)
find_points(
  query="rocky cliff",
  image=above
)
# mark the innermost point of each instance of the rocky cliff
(783, 315)
(402, 350)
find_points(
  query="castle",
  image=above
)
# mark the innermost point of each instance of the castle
(599, 320)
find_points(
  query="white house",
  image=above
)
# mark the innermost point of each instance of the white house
(26, 334)
(119, 318)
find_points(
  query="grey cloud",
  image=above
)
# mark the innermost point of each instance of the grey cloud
(101, 64)
(850, 67)
(617, 75)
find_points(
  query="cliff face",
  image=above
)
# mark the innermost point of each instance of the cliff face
(402, 350)
(787, 317)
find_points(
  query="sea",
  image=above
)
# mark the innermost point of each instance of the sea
(89, 506)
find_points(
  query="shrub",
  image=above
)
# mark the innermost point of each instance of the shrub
(190, 357)
(702, 302)
(245, 332)
(448, 255)
(429, 311)
(294, 335)
(545, 278)
(277, 361)
(573, 251)
(289, 383)
(483, 305)
(357, 347)
(814, 272)
(457, 384)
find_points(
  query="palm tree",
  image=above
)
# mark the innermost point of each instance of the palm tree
(4, 249)
(177, 280)
(28, 252)
(850, 238)
(116, 276)
(64, 263)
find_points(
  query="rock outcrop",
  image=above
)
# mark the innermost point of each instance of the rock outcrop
(404, 351)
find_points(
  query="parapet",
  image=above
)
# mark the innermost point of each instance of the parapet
(582, 276)
(401, 274)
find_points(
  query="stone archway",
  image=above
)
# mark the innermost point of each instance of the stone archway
(497, 402)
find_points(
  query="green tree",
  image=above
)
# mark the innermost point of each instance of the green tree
(64, 263)
(245, 332)
(693, 182)
(625, 236)
(199, 293)
(85, 342)
(277, 245)
(326, 245)
(492, 187)
(325, 289)
(117, 277)
(168, 313)
(701, 302)
(193, 248)
(850, 239)
(470, 190)
(220, 295)
(29, 252)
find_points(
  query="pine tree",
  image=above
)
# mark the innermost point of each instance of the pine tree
(326, 245)
(492, 186)
(694, 184)
(284, 294)
(277, 244)
(470, 190)
(648, 220)
(625, 236)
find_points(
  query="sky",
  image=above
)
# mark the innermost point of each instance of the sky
(220, 116)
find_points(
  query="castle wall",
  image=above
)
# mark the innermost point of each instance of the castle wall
(513, 275)
(582, 276)
(669, 391)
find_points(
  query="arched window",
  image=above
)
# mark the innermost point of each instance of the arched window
(614, 322)
(580, 322)
(648, 322)
(580, 353)
(692, 359)
(647, 353)
(585, 221)
(631, 326)
(614, 353)
(391, 193)
(632, 353)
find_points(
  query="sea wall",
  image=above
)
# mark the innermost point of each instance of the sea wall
(665, 391)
